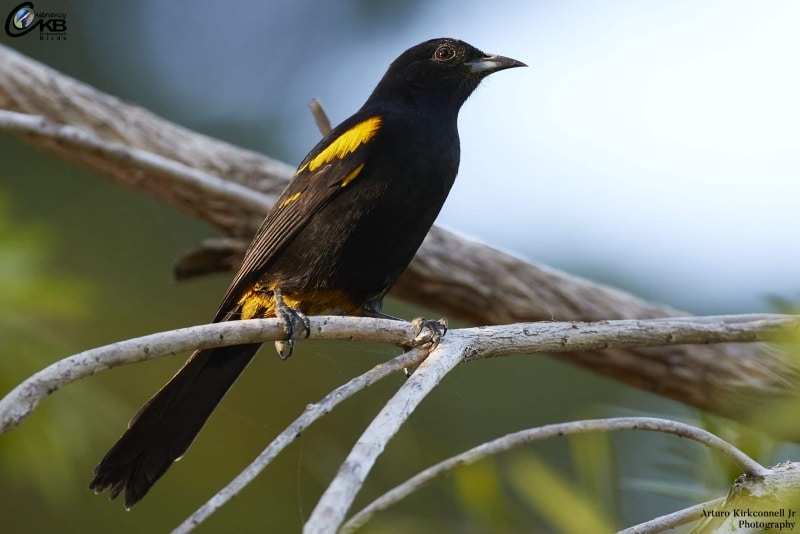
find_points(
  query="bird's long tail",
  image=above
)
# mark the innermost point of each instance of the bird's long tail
(163, 429)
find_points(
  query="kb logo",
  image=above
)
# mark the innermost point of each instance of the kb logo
(23, 19)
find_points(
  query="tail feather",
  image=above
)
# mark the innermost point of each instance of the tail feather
(165, 427)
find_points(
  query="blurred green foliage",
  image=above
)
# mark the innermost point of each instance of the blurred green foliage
(564, 506)
(34, 299)
(26, 289)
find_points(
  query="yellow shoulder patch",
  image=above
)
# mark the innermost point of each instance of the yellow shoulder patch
(352, 175)
(286, 201)
(346, 143)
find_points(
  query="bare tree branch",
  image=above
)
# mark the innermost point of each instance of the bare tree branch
(27, 86)
(473, 343)
(22, 400)
(479, 342)
(457, 346)
(510, 441)
(136, 159)
(463, 278)
(320, 117)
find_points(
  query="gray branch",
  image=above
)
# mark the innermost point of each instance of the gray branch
(457, 346)
(510, 441)
(481, 342)
(22, 400)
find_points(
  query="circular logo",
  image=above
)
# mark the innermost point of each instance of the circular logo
(23, 18)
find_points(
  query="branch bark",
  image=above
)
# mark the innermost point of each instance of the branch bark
(458, 277)
(479, 342)
(22, 400)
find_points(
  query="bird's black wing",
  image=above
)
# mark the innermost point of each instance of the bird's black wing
(327, 171)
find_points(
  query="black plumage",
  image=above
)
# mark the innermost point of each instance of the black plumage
(337, 239)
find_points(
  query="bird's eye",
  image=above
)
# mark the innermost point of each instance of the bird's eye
(445, 52)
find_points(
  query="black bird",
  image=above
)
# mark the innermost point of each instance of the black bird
(337, 239)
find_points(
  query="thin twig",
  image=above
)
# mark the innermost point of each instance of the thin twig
(507, 442)
(673, 520)
(320, 117)
(312, 413)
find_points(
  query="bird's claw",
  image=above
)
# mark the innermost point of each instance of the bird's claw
(292, 319)
(429, 331)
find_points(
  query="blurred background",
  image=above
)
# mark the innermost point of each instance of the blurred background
(654, 146)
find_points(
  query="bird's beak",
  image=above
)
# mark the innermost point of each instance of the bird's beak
(490, 64)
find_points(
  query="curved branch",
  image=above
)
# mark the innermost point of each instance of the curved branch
(510, 441)
(22, 400)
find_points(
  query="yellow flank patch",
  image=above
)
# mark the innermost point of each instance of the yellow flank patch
(292, 302)
(256, 304)
(259, 302)
(350, 177)
(346, 143)
(289, 200)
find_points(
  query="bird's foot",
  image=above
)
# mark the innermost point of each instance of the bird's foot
(292, 319)
(429, 331)
(429, 334)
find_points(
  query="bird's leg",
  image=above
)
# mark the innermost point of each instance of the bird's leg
(291, 318)
(373, 309)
